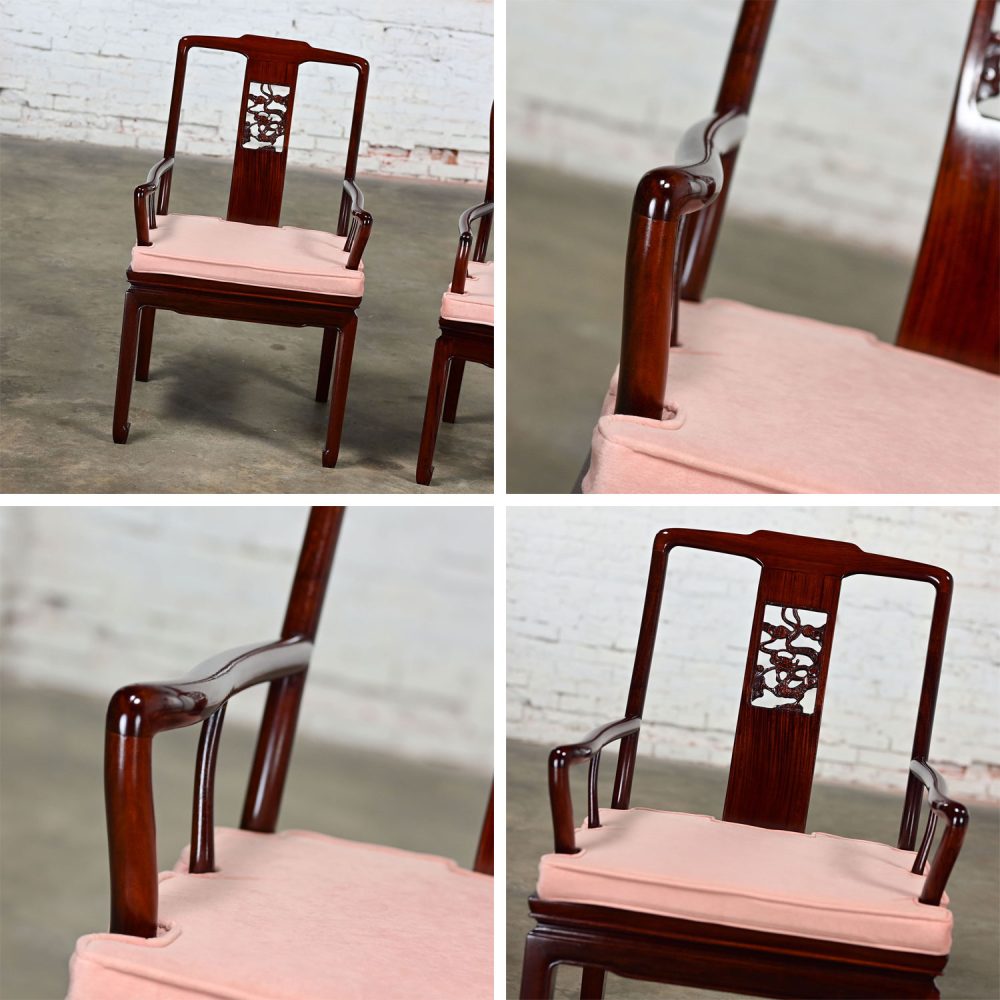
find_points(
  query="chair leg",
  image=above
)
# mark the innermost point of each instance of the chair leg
(326, 364)
(338, 402)
(146, 318)
(537, 970)
(126, 368)
(455, 374)
(432, 411)
(592, 987)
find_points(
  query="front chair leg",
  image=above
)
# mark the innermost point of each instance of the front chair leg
(341, 378)
(592, 987)
(126, 367)
(146, 319)
(326, 364)
(538, 969)
(432, 411)
(455, 374)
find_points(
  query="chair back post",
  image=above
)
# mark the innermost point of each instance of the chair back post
(953, 306)
(284, 696)
(774, 749)
(484, 849)
(486, 222)
(739, 81)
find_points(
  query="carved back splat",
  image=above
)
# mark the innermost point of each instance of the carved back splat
(777, 732)
(265, 120)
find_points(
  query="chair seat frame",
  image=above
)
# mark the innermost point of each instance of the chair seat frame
(255, 198)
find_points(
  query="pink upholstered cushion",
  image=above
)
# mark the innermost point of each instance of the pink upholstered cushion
(475, 304)
(762, 402)
(300, 916)
(699, 868)
(197, 246)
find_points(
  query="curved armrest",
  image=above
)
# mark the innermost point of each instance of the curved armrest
(148, 709)
(483, 211)
(355, 194)
(656, 252)
(135, 715)
(957, 818)
(355, 222)
(145, 205)
(560, 796)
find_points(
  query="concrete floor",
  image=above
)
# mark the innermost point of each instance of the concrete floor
(229, 407)
(566, 251)
(53, 861)
(972, 972)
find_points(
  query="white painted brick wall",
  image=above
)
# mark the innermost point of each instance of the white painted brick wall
(95, 598)
(847, 123)
(101, 72)
(575, 586)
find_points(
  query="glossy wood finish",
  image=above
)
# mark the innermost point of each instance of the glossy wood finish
(139, 712)
(458, 342)
(255, 198)
(770, 783)
(953, 308)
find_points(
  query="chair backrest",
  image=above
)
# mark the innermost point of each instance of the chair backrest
(265, 120)
(953, 306)
(486, 222)
(784, 683)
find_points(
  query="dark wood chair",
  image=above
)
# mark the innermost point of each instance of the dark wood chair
(749, 388)
(255, 912)
(466, 324)
(247, 267)
(751, 904)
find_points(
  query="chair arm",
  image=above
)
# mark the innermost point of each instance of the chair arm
(459, 273)
(135, 715)
(353, 218)
(560, 795)
(655, 255)
(957, 818)
(145, 207)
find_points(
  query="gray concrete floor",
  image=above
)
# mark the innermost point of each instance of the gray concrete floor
(53, 853)
(972, 972)
(229, 407)
(566, 252)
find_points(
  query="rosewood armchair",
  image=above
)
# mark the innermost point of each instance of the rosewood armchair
(246, 266)
(751, 392)
(250, 912)
(466, 324)
(685, 899)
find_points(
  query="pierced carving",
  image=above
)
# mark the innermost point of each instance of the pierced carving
(788, 651)
(989, 80)
(264, 122)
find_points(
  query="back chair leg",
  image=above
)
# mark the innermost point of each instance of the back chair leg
(432, 411)
(538, 970)
(455, 374)
(146, 318)
(592, 987)
(126, 367)
(341, 378)
(326, 364)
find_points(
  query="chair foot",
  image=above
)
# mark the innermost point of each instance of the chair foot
(341, 377)
(432, 411)
(126, 368)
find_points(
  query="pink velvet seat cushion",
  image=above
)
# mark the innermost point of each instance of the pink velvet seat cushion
(475, 304)
(197, 246)
(699, 868)
(300, 916)
(763, 402)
